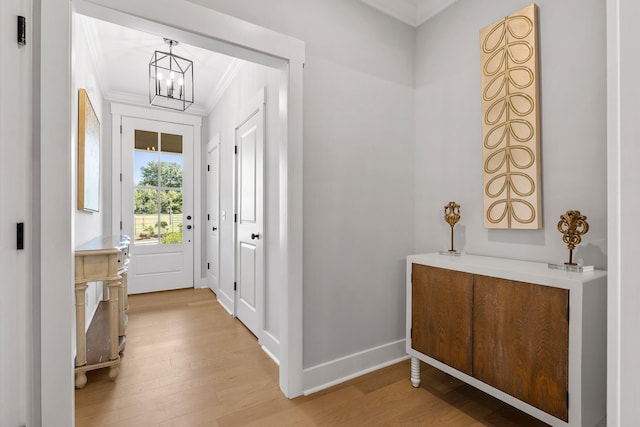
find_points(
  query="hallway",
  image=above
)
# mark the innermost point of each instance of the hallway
(188, 363)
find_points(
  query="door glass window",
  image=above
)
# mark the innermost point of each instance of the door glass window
(158, 171)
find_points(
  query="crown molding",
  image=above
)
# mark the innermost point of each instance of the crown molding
(88, 29)
(429, 9)
(412, 12)
(403, 10)
(224, 82)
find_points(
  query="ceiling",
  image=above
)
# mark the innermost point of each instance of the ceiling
(121, 57)
(412, 12)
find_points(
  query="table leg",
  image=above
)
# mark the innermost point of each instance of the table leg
(113, 372)
(113, 286)
(121, 306)
(125, 284)
(81, 338)
(81, 379)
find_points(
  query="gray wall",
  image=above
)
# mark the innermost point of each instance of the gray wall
(358, 182)
(448, 163)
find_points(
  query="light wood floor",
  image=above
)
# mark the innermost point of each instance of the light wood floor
(188, 363)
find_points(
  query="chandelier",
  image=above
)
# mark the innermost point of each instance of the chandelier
(170, 79)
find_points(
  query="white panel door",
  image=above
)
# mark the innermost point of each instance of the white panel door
(213, 203)
(249, 207)
(157, 205)
(15, 194)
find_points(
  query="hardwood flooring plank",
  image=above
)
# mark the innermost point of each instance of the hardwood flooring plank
(189, 363)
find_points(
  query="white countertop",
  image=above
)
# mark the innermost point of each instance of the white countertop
(510, 269)
(104, 243)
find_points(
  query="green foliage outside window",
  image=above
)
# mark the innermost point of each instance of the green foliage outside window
(146, 202)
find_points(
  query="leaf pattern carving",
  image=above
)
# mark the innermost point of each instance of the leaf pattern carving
(510, 143)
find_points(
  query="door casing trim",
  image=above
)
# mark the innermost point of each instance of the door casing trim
(53, 265)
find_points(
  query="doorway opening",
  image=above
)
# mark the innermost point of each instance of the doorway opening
(210, 30)
(160, 193)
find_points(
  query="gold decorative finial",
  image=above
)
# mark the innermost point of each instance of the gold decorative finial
(573, 225)
(452, 216)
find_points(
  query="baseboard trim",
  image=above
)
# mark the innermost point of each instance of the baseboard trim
(271, 346)
(354, 365)
(225, 301)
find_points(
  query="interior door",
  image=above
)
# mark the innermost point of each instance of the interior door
(157, 205)
(249, 136)
(16, 170)
(213, 203)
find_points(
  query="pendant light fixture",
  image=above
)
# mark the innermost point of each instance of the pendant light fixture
(170, 79)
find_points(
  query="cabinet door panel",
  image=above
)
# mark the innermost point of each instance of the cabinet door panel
(441, 315)
(521, 341)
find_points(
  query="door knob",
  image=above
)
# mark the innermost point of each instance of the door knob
(188, 227)
(255, 236)
(214, 228)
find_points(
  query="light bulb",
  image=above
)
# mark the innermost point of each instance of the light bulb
(172, 75)
(159, 76)
(181, 81)
(170, 88)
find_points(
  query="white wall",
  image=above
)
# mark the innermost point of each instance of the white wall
(87, 225)
(448, 161)
(248, 81)
(358, 182)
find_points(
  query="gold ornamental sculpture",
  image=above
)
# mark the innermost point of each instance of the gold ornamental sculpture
(573, 225)
(452, 216)
(510, 122)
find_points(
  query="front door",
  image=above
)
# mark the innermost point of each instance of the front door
(157, 205)
(249, 138)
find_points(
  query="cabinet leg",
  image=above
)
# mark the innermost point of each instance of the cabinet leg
(81, 379)
(415, 372)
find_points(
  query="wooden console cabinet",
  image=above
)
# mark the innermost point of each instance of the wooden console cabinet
(530, 336)
(102, 259)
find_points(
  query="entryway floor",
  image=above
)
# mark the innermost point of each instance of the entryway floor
(188, 363)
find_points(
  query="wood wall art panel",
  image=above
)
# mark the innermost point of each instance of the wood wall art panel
(510, 122)
(522, 347)
(441, 307)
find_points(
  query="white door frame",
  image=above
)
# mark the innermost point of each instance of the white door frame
(213, 144)
(53, 263)
(118, 111)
